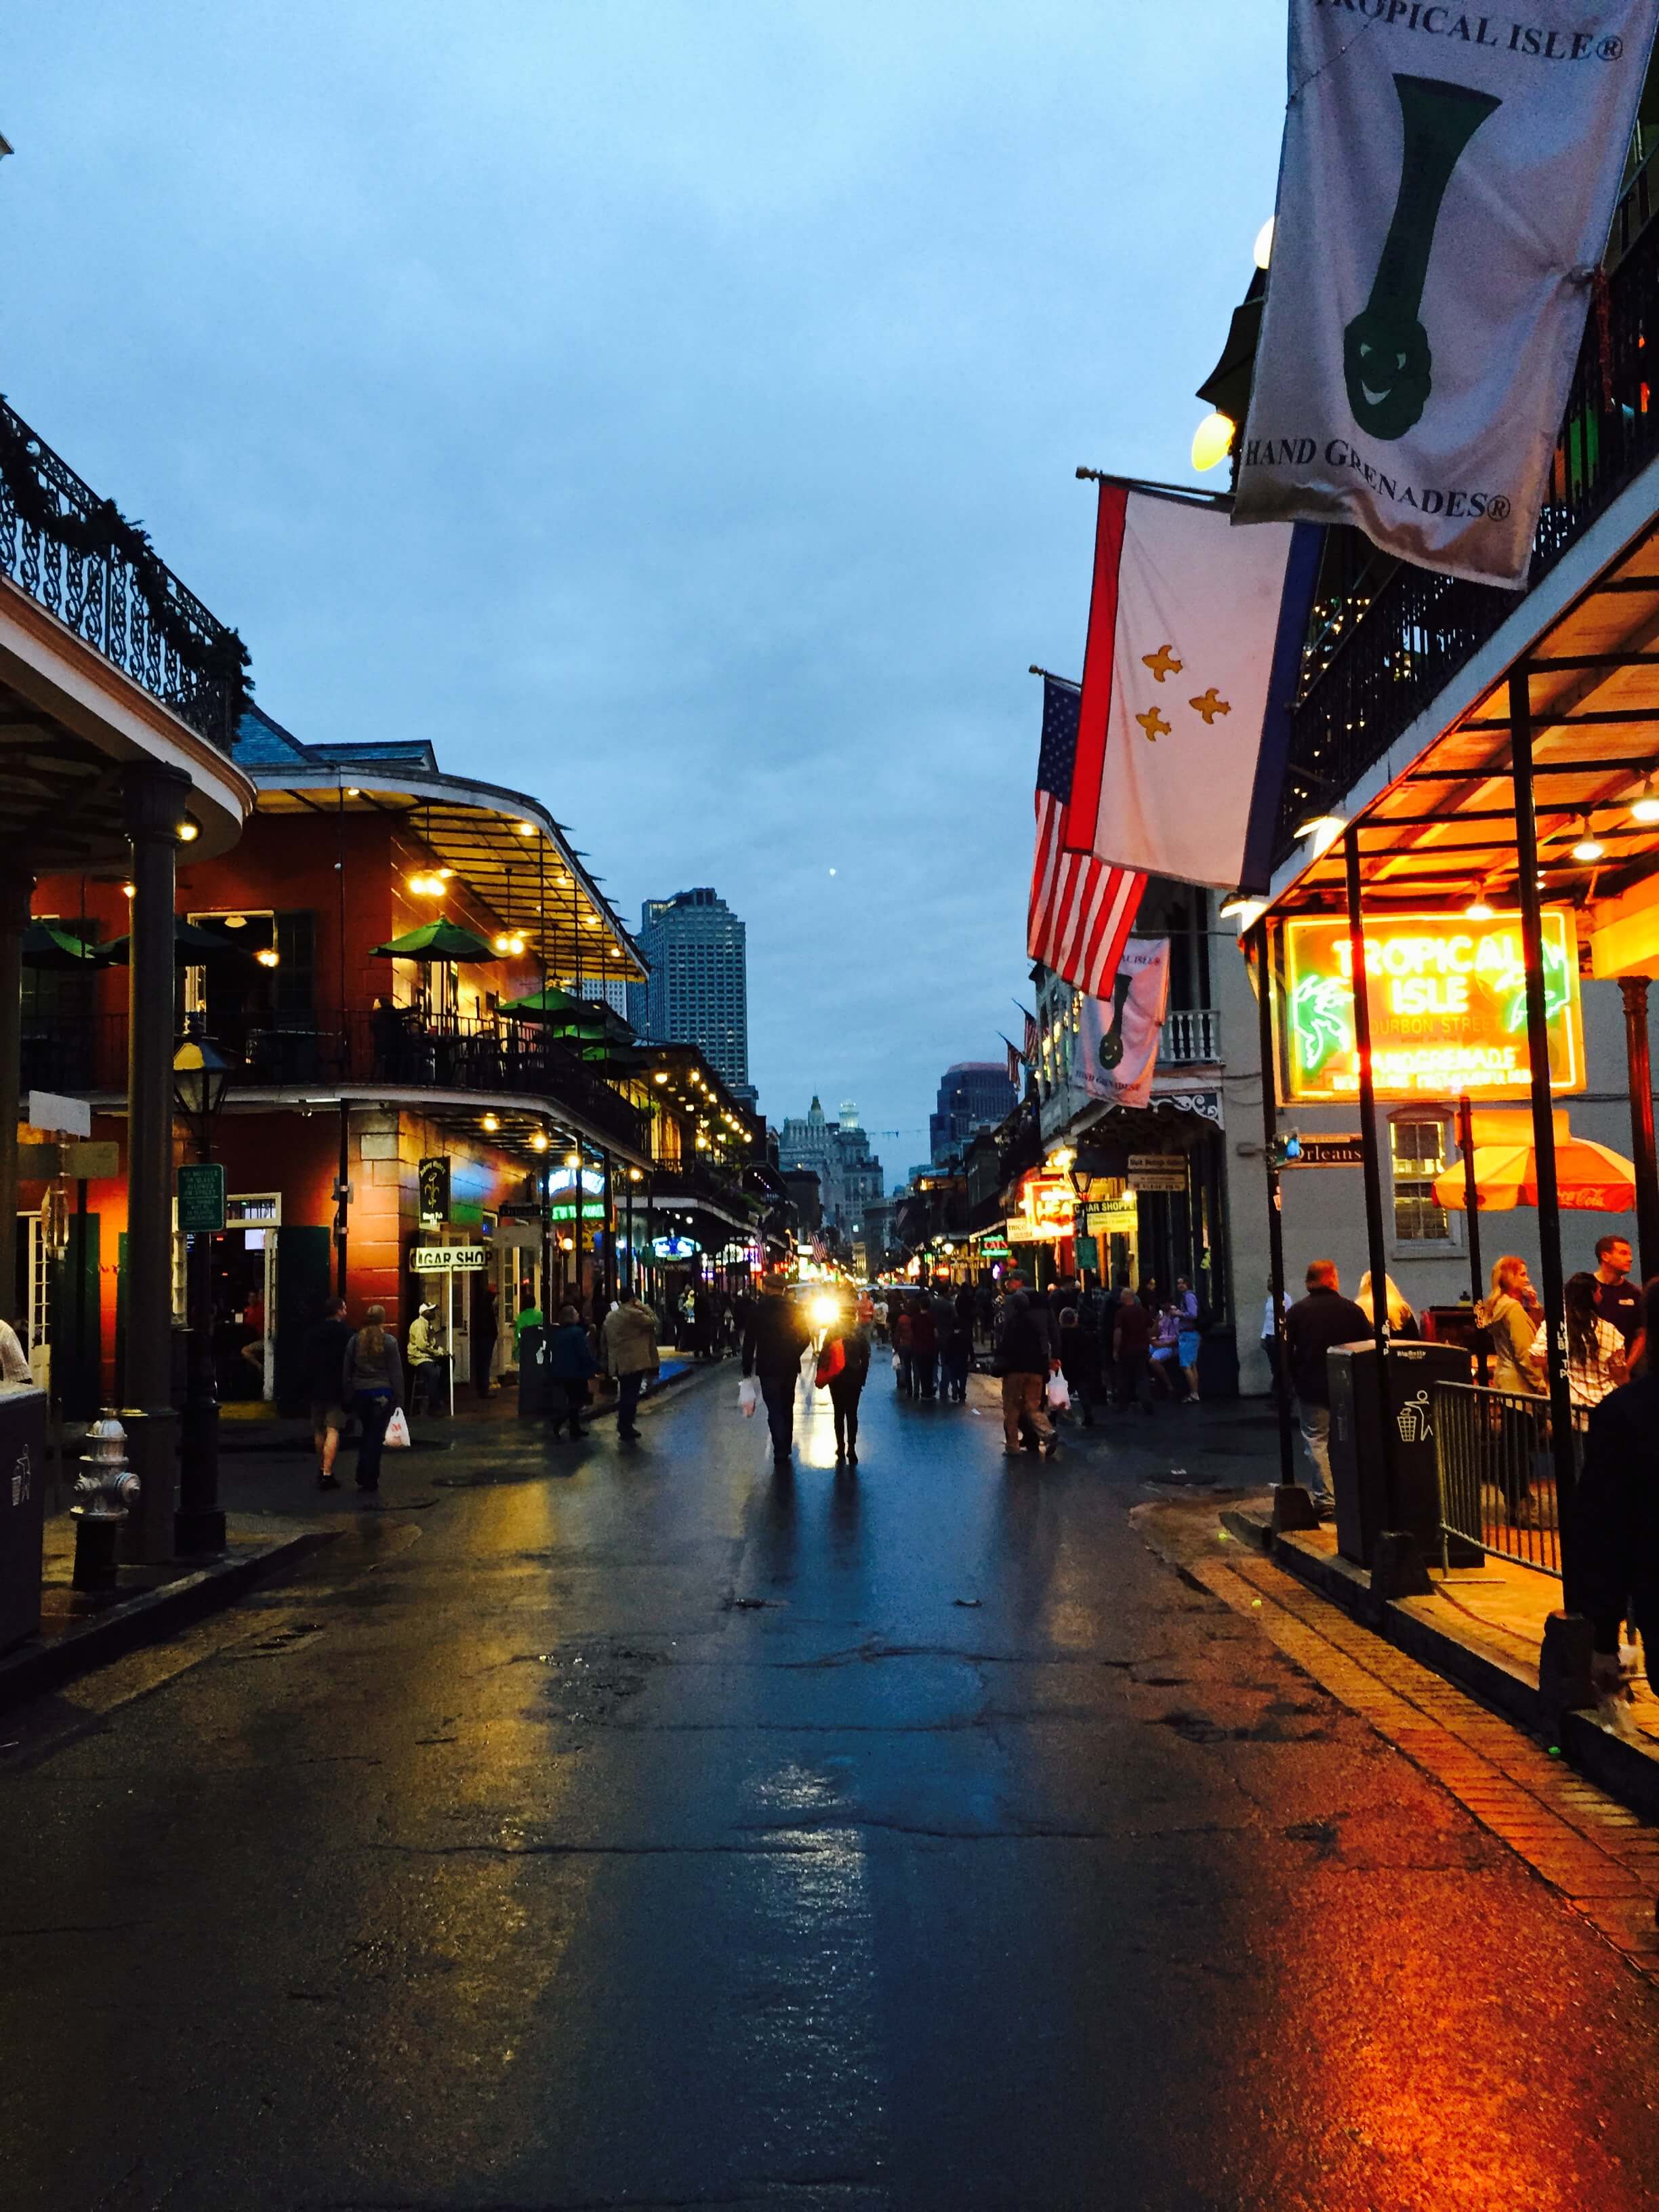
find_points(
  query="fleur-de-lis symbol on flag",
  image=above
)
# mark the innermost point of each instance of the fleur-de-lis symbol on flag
(1211, 704)
(1162, 662)
(1154, 724)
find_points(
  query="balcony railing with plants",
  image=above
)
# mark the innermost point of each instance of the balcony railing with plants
(1387, 636)
(77, 557)
(509, 1059)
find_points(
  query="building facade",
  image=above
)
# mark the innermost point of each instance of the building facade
(974, 1095)
(697, 992)
(850, 1176)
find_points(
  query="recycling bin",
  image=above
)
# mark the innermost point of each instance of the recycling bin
(22, 1511)
(1365, 1506)
(535, 1375)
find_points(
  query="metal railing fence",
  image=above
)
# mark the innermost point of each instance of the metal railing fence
(1496, 1477)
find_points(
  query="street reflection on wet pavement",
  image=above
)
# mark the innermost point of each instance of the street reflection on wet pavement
(634, 1828)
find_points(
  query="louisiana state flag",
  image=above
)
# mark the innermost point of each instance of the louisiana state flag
(1196, 634)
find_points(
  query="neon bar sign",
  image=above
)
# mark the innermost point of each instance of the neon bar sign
(1447, 1003)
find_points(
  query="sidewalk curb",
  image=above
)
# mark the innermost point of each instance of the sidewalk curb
(1625, 1770)
(37, 1668)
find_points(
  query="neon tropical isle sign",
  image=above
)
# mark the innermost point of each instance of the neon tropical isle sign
(1447, 1006)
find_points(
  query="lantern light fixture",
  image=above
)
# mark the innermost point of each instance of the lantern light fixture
(1212, 440)
(269, 956)
(189, 831)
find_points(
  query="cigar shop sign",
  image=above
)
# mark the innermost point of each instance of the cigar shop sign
(1448, 1005)
(1445, 187)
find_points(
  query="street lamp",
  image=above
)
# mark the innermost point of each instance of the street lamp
(201, 1076)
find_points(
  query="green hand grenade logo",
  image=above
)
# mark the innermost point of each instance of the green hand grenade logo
(1386, 359)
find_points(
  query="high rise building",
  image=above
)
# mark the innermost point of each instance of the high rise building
(610, 990)
(974, 1095)
(698, 994)
(838, 1152)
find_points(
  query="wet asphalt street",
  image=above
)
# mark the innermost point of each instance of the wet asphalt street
(623, 1828)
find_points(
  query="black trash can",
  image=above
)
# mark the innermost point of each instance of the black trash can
(536, 1384)
(1364, 1508)
(22, 1511)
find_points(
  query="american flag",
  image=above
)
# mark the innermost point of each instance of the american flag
(1081, 909)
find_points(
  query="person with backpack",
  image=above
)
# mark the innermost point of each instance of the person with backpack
(1024, 1356)
(571, 1363)
(373, 1376)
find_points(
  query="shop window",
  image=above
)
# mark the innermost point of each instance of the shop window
(1417, 1153)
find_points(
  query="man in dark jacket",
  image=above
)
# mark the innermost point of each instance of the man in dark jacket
(322, 1359)
(1025, 1355)
(1312, 1326)
(772, 1346)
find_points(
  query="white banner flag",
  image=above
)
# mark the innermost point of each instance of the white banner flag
(1445, 188)
(1117, 1037)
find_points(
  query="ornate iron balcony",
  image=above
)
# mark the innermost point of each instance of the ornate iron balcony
(77, 557)
(1387, 637)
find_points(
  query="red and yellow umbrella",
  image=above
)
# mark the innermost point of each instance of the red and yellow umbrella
(1589, 1178)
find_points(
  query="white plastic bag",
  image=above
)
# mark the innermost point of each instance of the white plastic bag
(1060, 1398)
(397, 1431)
(748, 1397)
(898, 1364)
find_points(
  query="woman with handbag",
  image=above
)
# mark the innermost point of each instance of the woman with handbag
(843, 1368)
(373, 1380)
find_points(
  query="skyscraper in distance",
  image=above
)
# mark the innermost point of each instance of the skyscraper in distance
(698, 994)
(972, 1094)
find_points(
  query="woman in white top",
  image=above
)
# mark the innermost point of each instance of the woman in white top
(1596, 1349)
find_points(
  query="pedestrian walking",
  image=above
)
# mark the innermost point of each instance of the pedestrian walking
(772, 1348)
(373, 1376)
(1079, 1363)
(905, 1383)
(1269, 1340)
(628, 1343)
(1617, 1298)
(571, 1363)
(1024, 1356)
(1132, 1352)
(482, 1332)
(924, 1348)
(529, 1316)
(954, 1347)
(850, 1371)
(881, 1317)
(322, 1363)
(1323, 1318)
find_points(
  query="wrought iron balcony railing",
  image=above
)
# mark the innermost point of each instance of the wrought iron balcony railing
(77, 557)
(1388, 636)
(504, 1059)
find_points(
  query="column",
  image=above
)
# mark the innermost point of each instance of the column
(16, 891)
(1639, 1056)
(154, 800)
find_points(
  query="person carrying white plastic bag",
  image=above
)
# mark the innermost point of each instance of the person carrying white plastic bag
(374, 1379)
(1059, 1393)
(748, 1397)
(397, 1431)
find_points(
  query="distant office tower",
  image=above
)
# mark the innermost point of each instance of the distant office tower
(611, 990)
(697, 952)
(974, 1095)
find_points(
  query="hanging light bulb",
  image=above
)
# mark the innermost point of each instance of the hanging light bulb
(1644, 807)
(1478, 910)
(538, 1141)
(1589, 845)
(1212, 440)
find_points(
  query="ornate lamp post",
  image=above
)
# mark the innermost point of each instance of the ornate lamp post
(201, 1076)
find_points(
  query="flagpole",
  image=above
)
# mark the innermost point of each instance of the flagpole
(1191, 494)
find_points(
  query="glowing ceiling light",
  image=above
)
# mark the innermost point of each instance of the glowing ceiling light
(661, 1076)
(538, 1141)
(1589, 845)
(526, 828)
(235, 921)
(572, 1159)
(128, 890)
(1644, 807)
(1212, 440)
(1322, 832)
(1479, 911)
(490, 1124)
(268, 957)
(353, 791)
(189, 831)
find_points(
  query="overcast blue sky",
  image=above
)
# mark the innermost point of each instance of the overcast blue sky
(669, 407)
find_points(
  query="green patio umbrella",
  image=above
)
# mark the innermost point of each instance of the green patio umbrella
(435, 941)
(191, 948)
(47, 947)
(552, 1004)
